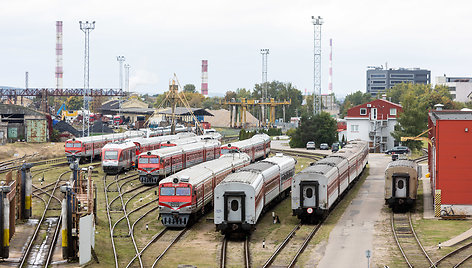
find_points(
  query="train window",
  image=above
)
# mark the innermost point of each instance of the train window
(69, 145)
(167, 191)
(400, 184)
(309, 193)
(154, 160)
(182, 191)
(110, 155)
(143, 160)
(77, 145)
(224, 151)
(234, 205)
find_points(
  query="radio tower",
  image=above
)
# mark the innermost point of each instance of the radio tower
(205, 77)
(127, 78)
(264, 53)
(317, 22)
(330, 86)
(86, 27)
(59, 68)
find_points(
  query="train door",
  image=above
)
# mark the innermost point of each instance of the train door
(234, 208)
(373, 113)
(309, 194)
(400, 186)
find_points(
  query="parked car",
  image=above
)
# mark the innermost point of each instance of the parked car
(335, 147)
(398, 150)
(310, 145)
(324, 146)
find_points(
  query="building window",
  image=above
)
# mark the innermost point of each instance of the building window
(377, 76)
(453, 96)
(393, 111)
(394, 82)
(402, 76)
(363, 111)
(354, 128)
(378, 82)
(452, 88)
(378, 88)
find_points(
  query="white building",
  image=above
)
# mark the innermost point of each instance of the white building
(459, 87)
(373, 122)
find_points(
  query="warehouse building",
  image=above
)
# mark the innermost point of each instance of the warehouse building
(450, 134)
(18, 123)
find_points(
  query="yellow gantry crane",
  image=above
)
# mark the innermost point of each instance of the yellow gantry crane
(418, 137)
(239, 108)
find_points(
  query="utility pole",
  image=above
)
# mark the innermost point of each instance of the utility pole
(86, 27)
(264, 53)
(120, 59)
(317, 22)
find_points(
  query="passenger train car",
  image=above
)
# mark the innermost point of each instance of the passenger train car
(317, 188)
(155, 165)
(256, 147)
(91, 147)
(242, 197)
(188, 193)
(118, 156)
(401, 184)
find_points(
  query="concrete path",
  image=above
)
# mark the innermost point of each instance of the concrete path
(428, 207)
(354, 232)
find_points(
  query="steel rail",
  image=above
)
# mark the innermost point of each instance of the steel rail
(452, 253)
(398, 242)
(223, 252)
(40, 222)
(281, 247)
(169, 246)
(54, 240)
(105, 189)
(247, 256)
(304, 245)
(418, 241)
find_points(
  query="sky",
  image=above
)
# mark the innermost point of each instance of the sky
(159, 38)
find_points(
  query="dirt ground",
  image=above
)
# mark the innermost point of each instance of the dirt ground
(42, 150)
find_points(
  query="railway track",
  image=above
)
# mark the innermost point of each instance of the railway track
(234, 246)
(407, 241)
(300, 228)
(460, 257)
(313, 156)
(39, 249)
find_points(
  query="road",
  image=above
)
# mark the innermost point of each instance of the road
(354, 232)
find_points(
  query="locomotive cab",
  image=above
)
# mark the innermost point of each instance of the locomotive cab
(175, 202)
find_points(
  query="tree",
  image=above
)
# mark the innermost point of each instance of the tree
(74, 103)
(354, 99)
(320, 128)
(416, 101)
(190, 88)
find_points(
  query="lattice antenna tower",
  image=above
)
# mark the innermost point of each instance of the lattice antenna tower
(127, 67)
(59, 67)
(86, 27)
(317, 22)
(120, 60)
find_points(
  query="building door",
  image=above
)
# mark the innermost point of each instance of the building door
(373, 113)
(400, 187)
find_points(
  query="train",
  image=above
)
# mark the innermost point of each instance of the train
(401, 184)
(155, 165)
(257, 147)
(189, 193)
(243, 196)
(91, 147)
(317, 188)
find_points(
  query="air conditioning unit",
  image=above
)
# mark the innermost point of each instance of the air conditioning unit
(369, 105)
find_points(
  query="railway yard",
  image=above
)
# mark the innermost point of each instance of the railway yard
(129, 234)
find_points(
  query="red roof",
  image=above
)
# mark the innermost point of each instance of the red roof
(383, 109)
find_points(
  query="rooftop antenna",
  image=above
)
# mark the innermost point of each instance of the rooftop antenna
(86, 27)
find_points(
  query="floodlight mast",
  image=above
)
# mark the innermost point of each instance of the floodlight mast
(86, 27)
(317, 22)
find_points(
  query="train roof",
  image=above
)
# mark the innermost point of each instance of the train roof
(256, 138)
(403, 163)
(124, 135)
(199, 173)
(119, 145)
(330, 161)
(179, 148)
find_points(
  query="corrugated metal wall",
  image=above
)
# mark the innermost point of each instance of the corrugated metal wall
(37, 130)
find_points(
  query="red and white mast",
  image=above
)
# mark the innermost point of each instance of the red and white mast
(330, 84)
(205, 77)
(59, 69)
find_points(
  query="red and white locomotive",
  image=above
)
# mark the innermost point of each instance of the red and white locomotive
(155, 165)
(186, 194)
(91, 147)
(256, 147)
